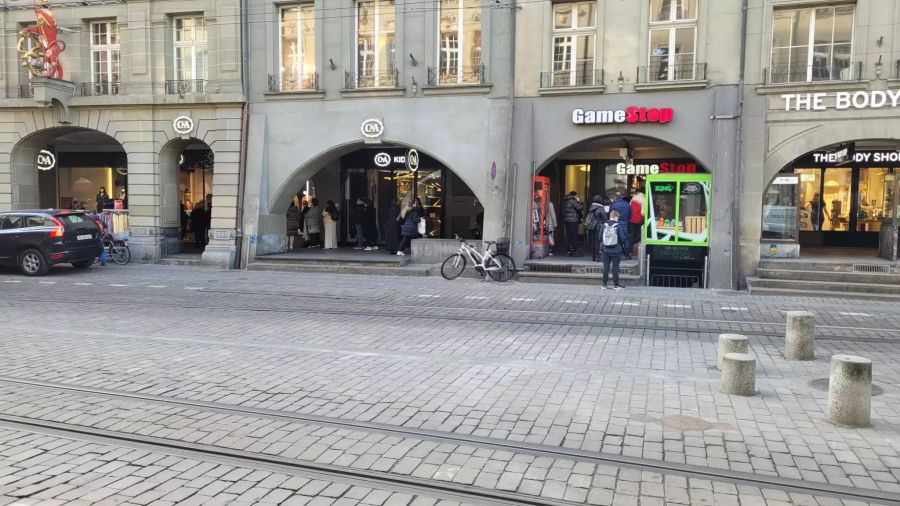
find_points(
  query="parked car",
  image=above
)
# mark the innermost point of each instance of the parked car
(35, 240)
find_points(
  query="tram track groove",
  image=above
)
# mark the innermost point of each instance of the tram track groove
(537, 450)
(406, 314)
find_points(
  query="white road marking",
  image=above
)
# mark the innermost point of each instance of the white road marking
(193, 288)
(679, 306)
(854, 314)
(523, 300)
(156, 286)
(118, 286)
(476, 298)
(427, 296)
(83, 284)
(47, 282)
(735, 309)
(13, 281)
(626, 304)
(576, 302)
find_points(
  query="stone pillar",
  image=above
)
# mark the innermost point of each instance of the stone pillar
(731, 343)
(799, 342)
(849, 391)
(738, 374)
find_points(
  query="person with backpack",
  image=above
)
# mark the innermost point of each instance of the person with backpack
(593, 224)
(623, 206)
(571, 215)
(613, 236)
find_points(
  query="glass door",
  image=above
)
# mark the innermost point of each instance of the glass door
(430, 190)
(836, 199)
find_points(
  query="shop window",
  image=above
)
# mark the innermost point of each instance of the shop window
(678, 209)
(836, 198)
(105, 50)
(812, 213)
(460, 42)
(574, 35)
(297, 49)
(376, 45)
(780, 206)
(812, 44)
(190, 49)
(875, 197)
(673, 34)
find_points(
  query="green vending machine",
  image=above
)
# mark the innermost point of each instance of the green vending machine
(677, 229)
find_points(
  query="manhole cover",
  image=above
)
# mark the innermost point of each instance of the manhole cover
(821, 384)
(684, 423)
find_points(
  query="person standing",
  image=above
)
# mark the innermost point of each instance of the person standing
(370, 225)
(198, 225)
(593, 225)
(571, 213)
(313, 219)
(612, 237)
(392, 227)
(330, 218)
(293, 225)
(410, 214)
(636, 221)
(103, 200)
(357, 221)
(623, 206)
(184, 221)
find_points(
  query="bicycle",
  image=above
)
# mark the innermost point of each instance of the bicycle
(499, 266)
(117, 251)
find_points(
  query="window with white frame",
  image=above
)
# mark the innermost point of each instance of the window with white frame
(673, 41)
(460, 42)
(812, 44)
(376, 46)
(105, 48)
(298, 47)
(190, 48)
(574, 44)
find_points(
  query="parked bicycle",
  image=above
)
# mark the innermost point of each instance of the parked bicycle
(499, 266)
(115, 250)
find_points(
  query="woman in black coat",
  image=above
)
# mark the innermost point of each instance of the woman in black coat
(370, 224)
(392, 227)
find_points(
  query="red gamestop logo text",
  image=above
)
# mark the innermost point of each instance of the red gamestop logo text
(630, 115)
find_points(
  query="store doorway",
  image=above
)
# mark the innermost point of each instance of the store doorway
(195, 184)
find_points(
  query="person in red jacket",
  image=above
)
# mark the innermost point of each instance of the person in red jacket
(636, 221)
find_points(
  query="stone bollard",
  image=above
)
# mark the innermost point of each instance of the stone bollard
(732, 343)
(849, 391)
(738, 374)
(799, 343)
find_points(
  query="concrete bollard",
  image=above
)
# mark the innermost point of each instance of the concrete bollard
(799, 343)
(732, 343)
(849, 391)
(738, 374)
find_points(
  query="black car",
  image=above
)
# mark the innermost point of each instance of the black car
(35, 240)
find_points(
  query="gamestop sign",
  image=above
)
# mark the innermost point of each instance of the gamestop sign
(617, 116)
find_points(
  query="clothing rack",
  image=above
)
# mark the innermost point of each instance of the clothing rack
(115, 221)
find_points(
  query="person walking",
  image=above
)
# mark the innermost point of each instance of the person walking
(623, 206)
(330, 218)
(103, 201)
(593, 225)
(613, 236)
(636, 221)
(571, 214)
(392, 227)
(370, 226)
(411, 214)
(313, 219)
(292, 224)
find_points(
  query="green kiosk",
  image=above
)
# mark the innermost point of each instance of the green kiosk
(676, 229)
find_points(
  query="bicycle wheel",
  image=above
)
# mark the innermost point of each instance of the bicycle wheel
(121, 254)
(507, 267)
(453, 266)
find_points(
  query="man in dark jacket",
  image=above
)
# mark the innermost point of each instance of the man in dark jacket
(623, 206)
(358, 221)
(571, 216)
(612, 236)
(596, 217)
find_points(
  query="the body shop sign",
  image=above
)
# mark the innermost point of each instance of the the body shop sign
(632, 114)
(841, 100)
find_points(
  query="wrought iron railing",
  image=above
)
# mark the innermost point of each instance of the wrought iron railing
(442, 76)
(305, 82)
(25, 91)
(186, 87)
(572, 78)
(664, 72)
(100, 89)
(372, 80)
(779, 74)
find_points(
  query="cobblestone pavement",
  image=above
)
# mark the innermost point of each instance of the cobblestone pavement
(626, 376)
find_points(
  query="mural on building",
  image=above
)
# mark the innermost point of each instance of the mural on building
(38, 45)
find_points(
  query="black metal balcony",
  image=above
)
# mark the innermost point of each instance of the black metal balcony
(456, 76)
(785, 74)
(25, 91)
(572, 78)
(388, 79)
(288, 83)
(663, 72)
(99, 89)
(186, 87)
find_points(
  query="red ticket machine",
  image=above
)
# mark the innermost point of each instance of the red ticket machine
(541, 235)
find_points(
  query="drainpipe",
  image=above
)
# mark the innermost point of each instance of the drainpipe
(242, 169)
(509, 230)
(739, 153)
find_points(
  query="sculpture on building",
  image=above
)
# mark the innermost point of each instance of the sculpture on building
(38, 45)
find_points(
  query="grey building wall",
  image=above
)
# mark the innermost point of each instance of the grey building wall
(140, 117)
(773, 137)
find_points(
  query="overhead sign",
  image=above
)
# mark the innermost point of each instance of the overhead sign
(385, 160)
(183, 125)
(643, 169)
(382, 159)
(45, 160)
(629, 115)
(861, 157)
(842, 100)
(412, 160)
(372, 128)
(785, 180)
